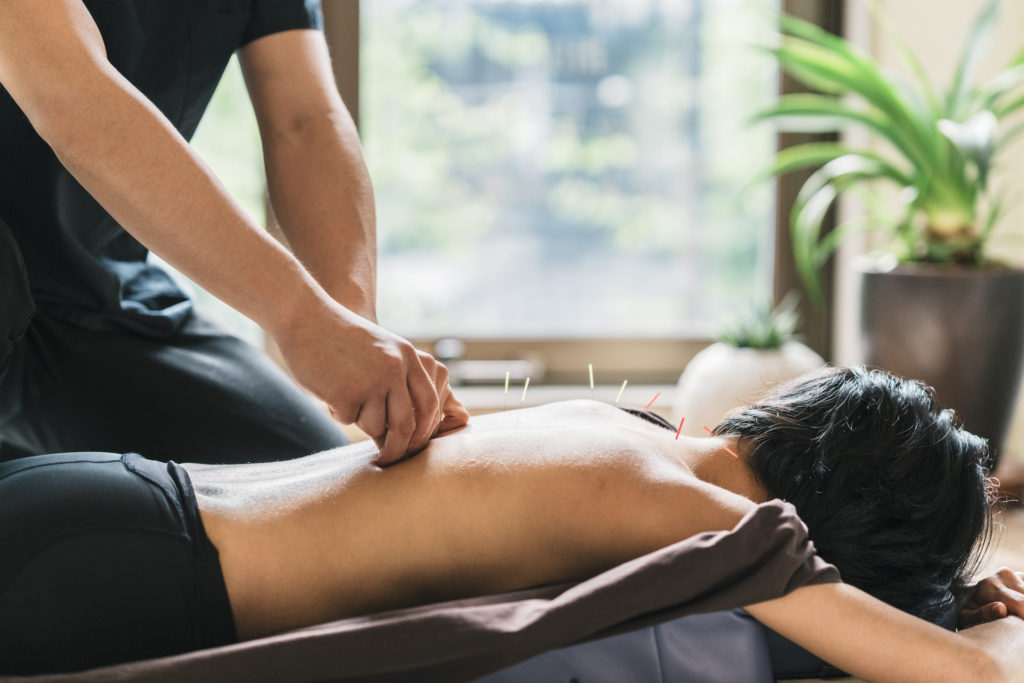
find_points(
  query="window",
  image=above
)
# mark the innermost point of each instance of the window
(567, 168)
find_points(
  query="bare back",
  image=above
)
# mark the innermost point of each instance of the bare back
(517, 499)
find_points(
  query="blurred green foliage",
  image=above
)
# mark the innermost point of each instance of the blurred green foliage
(536, 162)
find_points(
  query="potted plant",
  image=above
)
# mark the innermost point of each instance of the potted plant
(753, 354)
(938, 308)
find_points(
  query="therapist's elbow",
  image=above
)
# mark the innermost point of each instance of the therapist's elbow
(316, 126)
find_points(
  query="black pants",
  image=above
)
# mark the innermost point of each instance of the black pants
(202, 395)
(104, 560)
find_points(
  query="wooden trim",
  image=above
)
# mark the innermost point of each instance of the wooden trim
(640, 360)
(341, 30)
(816, 321)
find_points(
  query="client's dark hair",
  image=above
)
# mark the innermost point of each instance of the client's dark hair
(893, 491)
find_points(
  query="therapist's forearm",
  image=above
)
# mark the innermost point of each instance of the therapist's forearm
(127, 156)
(322, 198)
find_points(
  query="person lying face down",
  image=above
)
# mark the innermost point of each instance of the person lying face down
(892, 491)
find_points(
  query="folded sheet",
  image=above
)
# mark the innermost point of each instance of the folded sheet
(765, 556)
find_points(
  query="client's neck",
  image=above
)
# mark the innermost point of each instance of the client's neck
(715, 461)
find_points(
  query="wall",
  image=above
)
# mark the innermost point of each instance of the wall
(935, 31)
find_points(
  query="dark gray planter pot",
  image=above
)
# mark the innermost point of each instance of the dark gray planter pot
(959, 329)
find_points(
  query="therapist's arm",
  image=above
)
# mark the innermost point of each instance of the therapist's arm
(129, 157)
(318, 183)
(319, 186)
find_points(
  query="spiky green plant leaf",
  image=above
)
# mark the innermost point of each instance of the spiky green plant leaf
(941, 146)
(959, 97)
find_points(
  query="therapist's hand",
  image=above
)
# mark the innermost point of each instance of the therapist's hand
(398, 395)
(994, 597)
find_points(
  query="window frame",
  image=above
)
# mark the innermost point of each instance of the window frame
(653, 360)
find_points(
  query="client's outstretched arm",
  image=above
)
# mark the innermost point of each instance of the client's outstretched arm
(875, 641)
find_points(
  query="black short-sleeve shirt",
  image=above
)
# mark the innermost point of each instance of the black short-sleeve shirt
(81, 265)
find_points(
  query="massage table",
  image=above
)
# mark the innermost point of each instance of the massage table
(719, 647)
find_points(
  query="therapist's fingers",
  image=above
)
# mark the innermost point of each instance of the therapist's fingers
(401, 422)
(444, 398)
(455, 414)
(451, 414)
(424, 399)
(372, 419)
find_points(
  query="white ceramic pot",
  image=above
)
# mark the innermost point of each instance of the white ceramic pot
(723, 377)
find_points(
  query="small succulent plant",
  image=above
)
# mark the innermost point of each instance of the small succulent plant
(762, 325)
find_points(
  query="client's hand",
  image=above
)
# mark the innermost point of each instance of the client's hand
(993, 598)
